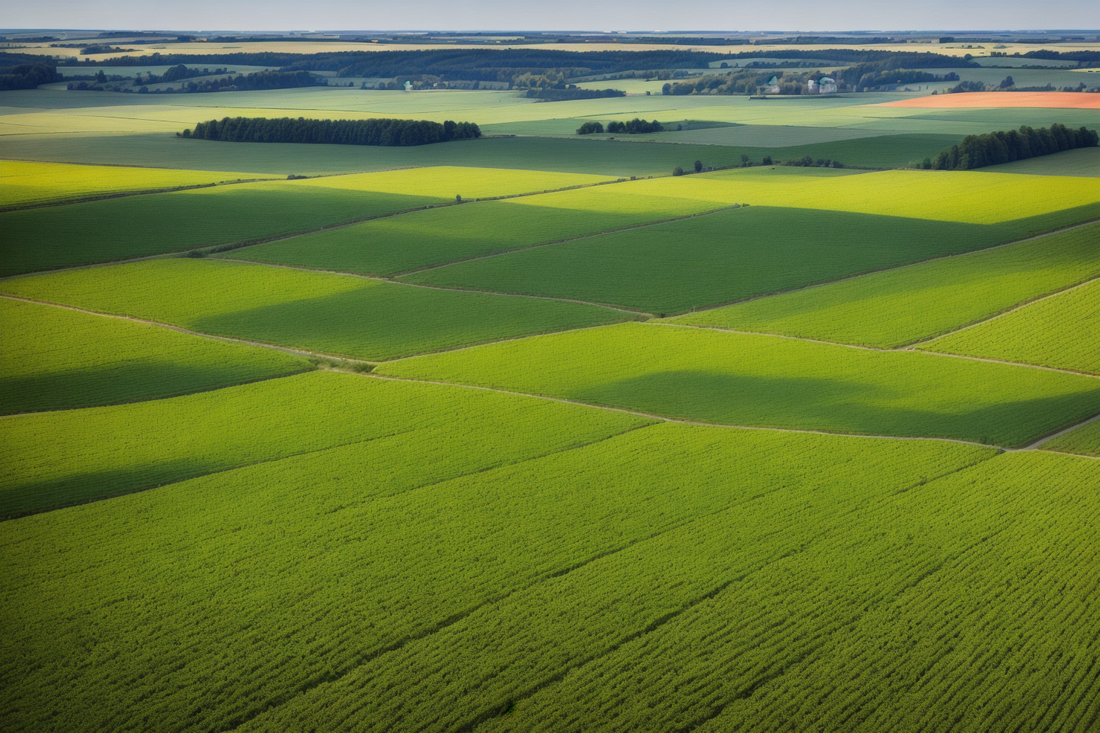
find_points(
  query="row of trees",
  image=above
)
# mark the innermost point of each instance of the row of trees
(382, 132)
(635, 127)
(571, 93)
(27, 76)
(994, 148)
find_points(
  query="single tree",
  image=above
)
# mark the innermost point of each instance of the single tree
(698, 166)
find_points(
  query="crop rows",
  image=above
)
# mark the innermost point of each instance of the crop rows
(1084, 440)
(342, 531)
(58, 359)
(58, 458)
(749, 379)
(717, 258)
(907, 304)
(1060, 331)
(334, 314)
(934, 609)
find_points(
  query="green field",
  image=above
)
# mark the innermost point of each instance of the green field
(26, 183)
(1079, 162)
(1060, 331)
(335, 314)
(718, 258)
(907, 304)
(1084, 440)
(674, 521)
(436, 236)
(58, 359)
(748, 379)
(107, 451)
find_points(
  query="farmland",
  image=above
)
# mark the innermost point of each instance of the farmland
(333, 314)
(744, 379)
(750, 424)
(908, 304)
(59, 359)
(1056, 332)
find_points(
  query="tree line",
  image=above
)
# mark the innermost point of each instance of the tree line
(571, 93)
(383, 132)
(994, 148)
(27, 76)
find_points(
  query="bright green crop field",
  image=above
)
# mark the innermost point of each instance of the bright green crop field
(677, 519)
(1061, 331)
(107, 451)
(57, 359)
(1079, 162)
(24, 183)
(436, 236)
(338, 315)
(1084, 440)
(911, 303)
(748, 379)
(718, 258)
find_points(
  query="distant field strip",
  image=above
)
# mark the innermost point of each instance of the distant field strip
(907, 304)
(148, 225)
(101, 452)
(959, 605)
(293, 576)
(334, 314)
(961, 196)
(722, 257)
(992, 100)
(1062, 331)
(426, 238)
(754, 380)
(25, 183)
(1084, 440)
(1079, 162)
(56, 359)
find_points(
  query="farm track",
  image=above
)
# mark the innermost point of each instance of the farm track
(1043, 441)
(652, 416)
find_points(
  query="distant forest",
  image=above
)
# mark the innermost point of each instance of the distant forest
(994, 148)
(384, 132)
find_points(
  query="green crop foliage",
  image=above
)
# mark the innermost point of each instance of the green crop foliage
(961, 630)
(961, 196)
(425, 238)
(334, 314)
(446, 182)
(1079, 162)
(1084, 440)
(749, 379)
(57, 359)
(137, 226)
(718, 258)
(25, 183)
(911, 303)
(1062, 331)
(106, 451)
(282, 576)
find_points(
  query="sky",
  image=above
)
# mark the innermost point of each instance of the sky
(596, 15)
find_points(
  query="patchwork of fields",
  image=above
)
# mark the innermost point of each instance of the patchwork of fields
(526, 433)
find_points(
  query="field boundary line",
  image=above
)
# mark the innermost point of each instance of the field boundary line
(1058, 434)
(379, 279)
(811, 286)
(878, 350)
(915, 345)
(684, 421)
(579, 237)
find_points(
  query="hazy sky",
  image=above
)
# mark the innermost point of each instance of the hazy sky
(647, 15)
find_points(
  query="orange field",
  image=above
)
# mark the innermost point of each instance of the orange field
(1070, 100)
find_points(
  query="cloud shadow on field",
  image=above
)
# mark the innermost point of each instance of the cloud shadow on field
(836, 405)
(134, 381)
